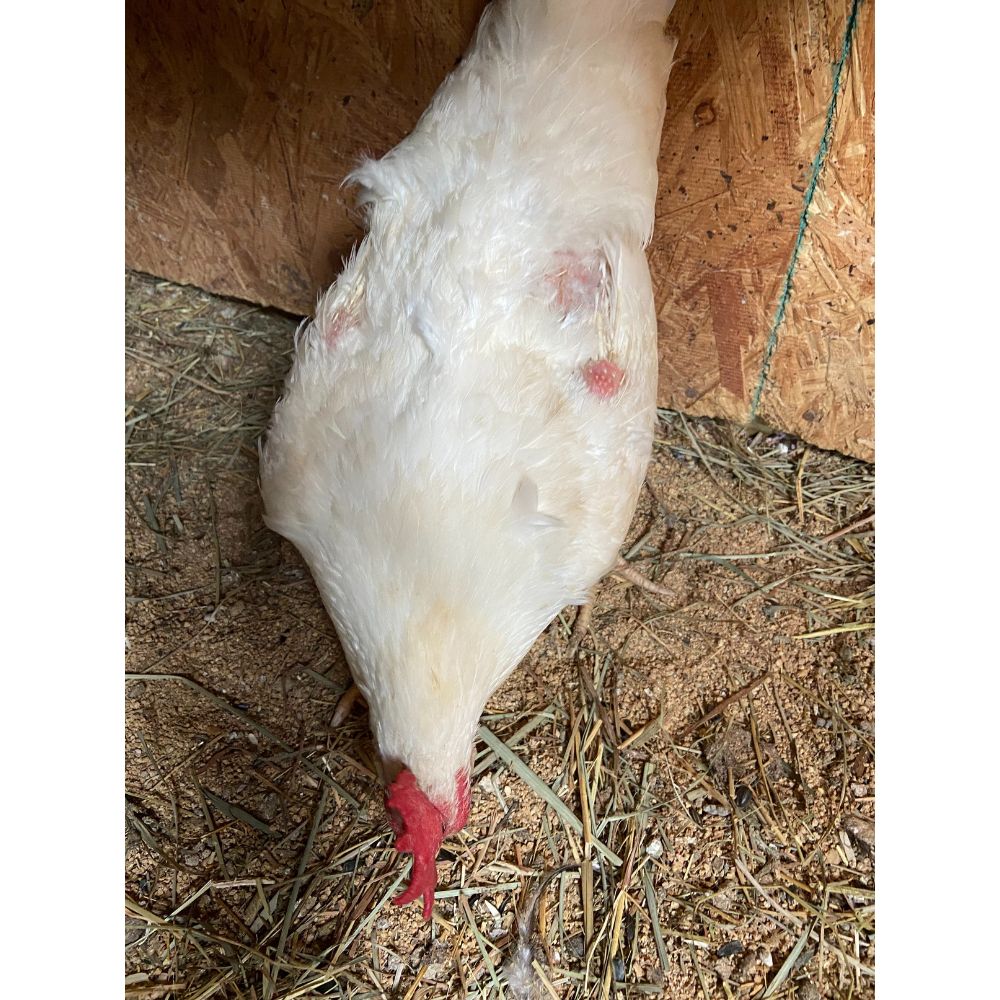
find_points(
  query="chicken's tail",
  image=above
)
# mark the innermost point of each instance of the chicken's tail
(578, 26)
(597, 17)
(586, 79)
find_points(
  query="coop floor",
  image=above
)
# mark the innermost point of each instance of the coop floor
(725, 739)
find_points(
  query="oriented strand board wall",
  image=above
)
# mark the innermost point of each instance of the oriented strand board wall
(242, 119)
(748, 104)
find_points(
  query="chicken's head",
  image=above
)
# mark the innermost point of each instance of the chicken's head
(420, 825)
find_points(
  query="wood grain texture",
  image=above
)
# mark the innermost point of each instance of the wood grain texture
(242, 119)
(748, 100)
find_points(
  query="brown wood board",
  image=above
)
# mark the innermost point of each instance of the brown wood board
(242, 119)
(747, 105)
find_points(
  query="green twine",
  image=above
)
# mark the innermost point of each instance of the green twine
(817, 167)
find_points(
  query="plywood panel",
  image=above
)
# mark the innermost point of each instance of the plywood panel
(242, 119)
(748, 103)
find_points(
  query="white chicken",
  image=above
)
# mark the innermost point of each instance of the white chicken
(469, 417)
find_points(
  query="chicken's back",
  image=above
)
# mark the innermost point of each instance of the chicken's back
(469, 417)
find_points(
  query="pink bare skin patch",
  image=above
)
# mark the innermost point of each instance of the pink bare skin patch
(574, 280)
(603, 378)
(339, 323)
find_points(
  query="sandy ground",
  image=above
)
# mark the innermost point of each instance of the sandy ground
(719, 745)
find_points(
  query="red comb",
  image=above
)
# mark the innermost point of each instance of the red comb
(419, 827)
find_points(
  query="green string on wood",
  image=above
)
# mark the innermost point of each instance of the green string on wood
(817, 168)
